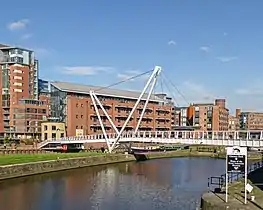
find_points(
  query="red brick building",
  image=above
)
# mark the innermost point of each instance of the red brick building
(71, 103)
(20, 110)
(209, 116)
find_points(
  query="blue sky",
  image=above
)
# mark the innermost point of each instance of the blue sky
(207, 48)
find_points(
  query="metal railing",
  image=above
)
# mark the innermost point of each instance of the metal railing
(220, 181)
(227, 138)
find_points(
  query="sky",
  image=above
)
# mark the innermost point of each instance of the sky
(207, 49)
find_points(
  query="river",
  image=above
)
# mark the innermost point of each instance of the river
(165, 184)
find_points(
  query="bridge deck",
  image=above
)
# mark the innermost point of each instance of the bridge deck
(220, 138)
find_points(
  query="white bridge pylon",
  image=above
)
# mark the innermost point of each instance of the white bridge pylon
(151, 81)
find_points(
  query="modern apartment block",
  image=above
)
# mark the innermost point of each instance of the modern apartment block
(20, 109)
(250, 120)
(209, 117)
(181, 116)
(71, 104)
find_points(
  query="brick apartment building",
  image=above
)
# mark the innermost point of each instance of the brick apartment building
(233, 123)
(209, 117)
(71, 104)
(250, 120)
(21, 112)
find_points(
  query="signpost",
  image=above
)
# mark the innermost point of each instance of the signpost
(236, 162)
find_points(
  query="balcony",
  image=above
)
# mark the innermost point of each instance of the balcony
(6, 103)
(6, 118)
(6, 112)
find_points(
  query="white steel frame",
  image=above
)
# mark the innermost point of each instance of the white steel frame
(152, 79)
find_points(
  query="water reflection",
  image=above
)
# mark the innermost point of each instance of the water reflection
(156, 184)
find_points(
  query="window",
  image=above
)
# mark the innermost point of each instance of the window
(45, 136)
(19, 51)
(77, 127)
(18, 90)
(77, 116)
(20, 60)
(18, 78)
(77, 105)
(81, 116)
(53, 127)
(45, 127)
(81, 105)
(53, 135)
(62, 135)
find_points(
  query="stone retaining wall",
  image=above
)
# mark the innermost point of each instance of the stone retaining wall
(19, 170)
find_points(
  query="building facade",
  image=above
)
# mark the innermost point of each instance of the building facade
(210, 117)
(181, 116)
(250, 120)
(233, 123)
(71, 104)
(19, 92)
(52, 130)
(43, 87)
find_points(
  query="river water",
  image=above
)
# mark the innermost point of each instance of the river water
(175, 183)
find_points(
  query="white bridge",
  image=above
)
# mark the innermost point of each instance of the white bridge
(224, 138)
(220, 138)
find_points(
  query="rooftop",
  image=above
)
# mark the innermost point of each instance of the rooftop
(85, 89)
(3, 46)
(7, 47)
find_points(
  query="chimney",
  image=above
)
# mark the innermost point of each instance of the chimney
(238, 112)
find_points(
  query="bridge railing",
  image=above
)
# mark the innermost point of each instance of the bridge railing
(220, 181)
(159, 136)
(218, 135)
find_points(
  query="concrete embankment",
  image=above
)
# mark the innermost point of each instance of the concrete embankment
(25, 169)
(19, 170)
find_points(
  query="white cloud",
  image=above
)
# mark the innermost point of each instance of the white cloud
(26, 36)
(205, 49)
(227, 59)
(17, 25)
(86, 70)
(172, 42)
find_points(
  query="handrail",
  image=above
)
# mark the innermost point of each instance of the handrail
(219, 181)
(226, 138)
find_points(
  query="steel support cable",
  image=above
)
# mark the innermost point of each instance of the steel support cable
(162, 84)
(170, 92)
(177, 90)
(125, 80)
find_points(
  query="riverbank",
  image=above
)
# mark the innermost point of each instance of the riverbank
(12, 166)
(40, 167)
